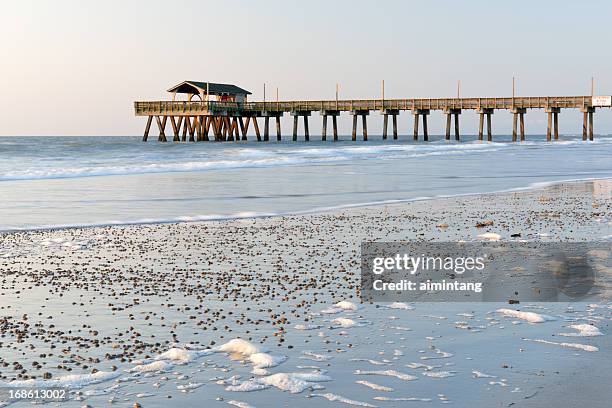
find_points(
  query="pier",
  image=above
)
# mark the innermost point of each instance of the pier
(223, 113)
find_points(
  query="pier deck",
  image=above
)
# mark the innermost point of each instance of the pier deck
(229, 121)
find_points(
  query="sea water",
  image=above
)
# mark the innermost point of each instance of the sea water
(75, 181)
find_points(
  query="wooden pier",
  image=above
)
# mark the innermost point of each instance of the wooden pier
(230, 120)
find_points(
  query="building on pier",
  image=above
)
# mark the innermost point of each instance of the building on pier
(210, 91)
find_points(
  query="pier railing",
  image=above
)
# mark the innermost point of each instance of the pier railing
(212, 107)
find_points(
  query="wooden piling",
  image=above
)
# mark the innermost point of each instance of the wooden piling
(489, 130)
(385, 124)
(306, 132)
(556, 125)
(243, 128)
(266, 129)
(514, 123)
(425, 135)
(548, 128)
(456, 126)
(364, 125)
(584, 125)
(522, 125)
(335, 128)
(256, 127)
(448, 126)
(415, 127)
(147, 128)
(278, 128)
(324, 129)
(394, 127)
(295, 127)
(354, 134)
(480, 125)
(591, 126)
(161, 124)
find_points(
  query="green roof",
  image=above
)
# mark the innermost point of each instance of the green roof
(214, 88)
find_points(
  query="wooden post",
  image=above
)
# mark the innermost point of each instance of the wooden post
(480, 125)
(147, 128)
(425, 135)
(306, 133)
(267, 129)
(385, 125)
(354, 135)
(556, 125)
(489, 131)
(278, 126)
(394, 127)
(206, 127)
(324, 130)
(229, 128)
(591, 126)
(548, 128)
(448, 126)
(584, 125)
(335, 126)
(256, 126)
(243, 129)
(226, 129)
(174, 130)
(522, 124)
(161, 124)
(456, 126)
(415, 129)
(198, 128)
(295, 127)
(185, 120)
(514, 123)
(364, 125)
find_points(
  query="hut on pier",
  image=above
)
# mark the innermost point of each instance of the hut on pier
(210, 91)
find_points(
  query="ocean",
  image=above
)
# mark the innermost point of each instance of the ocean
(52, 182)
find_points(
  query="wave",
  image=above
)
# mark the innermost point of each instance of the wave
(240, 157)
(248, 215)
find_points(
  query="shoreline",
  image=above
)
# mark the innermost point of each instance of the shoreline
(319, 210)
(162, 296)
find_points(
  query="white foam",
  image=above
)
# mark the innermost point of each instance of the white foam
(346, 305)
(240, 404)
(309, 355)
(239, 346)
(479, 374)
(343, 322)
(374, 386)
(307, 326)
(293, 382)
(398, 305)
(584, 330)
(577, 346)
(398, 399)
(489, 236)
(182, 356)
(388, 373)
(265, 360)
(339, 398)
(188, 387)
(160, 365)
(530, 317)
(67, 381)
(439, 374)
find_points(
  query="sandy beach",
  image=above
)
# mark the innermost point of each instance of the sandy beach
(151, 313)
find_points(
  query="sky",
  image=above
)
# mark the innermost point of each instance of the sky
(76, 67)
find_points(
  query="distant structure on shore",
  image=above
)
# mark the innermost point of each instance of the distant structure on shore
(221, 112)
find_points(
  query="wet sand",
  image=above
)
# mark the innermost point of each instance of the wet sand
(103, 304)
